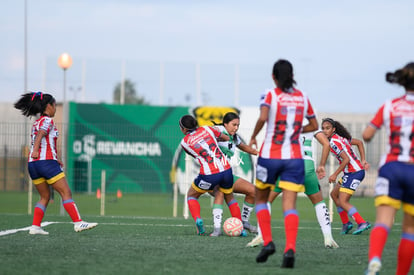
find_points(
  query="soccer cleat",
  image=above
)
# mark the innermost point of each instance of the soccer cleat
(266, 251)
(374, 266)
(330, 243)
(361, 228)
(200, 227)
(243, 233)
(216, 232)
(288, 259)
(346, 228)
(37, 230)
(258, 240)
(82, 226)
(249, 227)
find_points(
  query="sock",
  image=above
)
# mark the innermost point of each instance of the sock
(217, 215)
(194, 207)
(353, 212)
(234, 209)
(263, 218)
(291, 228)
(377, 240)
(247, 210)
(405, 253)
(342, 214)
(38, 214)
(70, 207)
(323, 217)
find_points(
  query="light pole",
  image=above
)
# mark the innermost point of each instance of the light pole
(64, 61)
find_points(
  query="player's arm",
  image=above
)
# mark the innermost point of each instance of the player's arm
(361, 149)
(369, 133)
(264, 114)
(323, 140)
(36, 143)
(311, 126)
(246, 148)
(341, 167)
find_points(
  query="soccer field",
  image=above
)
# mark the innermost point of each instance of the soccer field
(138, 235)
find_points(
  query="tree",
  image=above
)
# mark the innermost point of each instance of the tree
(131, 96)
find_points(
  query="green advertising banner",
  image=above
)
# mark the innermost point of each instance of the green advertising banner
(134, 144)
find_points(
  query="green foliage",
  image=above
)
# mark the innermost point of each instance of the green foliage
(138, 235)
(131, 96)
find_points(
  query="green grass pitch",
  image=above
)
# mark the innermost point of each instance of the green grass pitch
(138, 235)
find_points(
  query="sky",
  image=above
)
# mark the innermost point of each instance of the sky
(207, 52)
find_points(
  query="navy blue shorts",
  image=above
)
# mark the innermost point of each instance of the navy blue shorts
(291, 174)
(395, 185)
(206, 183)
(45, 170)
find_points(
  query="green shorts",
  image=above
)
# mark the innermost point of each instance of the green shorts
(311, 179)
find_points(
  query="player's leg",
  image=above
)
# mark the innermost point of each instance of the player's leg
(40, 208)
(62, 187)
(242, 186)
(406, 247)
(194, 207)
(217, 212)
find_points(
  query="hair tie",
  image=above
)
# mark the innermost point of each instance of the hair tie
(37, 94)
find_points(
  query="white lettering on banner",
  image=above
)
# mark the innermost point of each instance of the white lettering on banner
(91, 147)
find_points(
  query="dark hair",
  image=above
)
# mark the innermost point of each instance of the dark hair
(34, 103)
(188, 122)
(283, 73)
(227, 118)
(339, 128)
(403, 77)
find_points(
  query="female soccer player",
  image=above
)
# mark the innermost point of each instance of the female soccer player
(229, 126)
(341, 143)
(312, 187)
(395, 184)
(215, 170)
(283, 109)
(45, 167)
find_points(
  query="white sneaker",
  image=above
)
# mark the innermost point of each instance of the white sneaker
(330, 243)
(37, 230)
(258, 240)
(82, 225)
(374, 266)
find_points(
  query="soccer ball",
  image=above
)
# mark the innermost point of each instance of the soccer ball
(233, 227)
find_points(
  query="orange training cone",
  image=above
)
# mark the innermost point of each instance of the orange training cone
(119, 194)
(98, 193)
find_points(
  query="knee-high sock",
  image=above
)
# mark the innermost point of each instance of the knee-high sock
(217, 215)
(38, 214)
(377, 240)
(353, 212)
(247, 210)
(263, 218)
(324, 219)
(234, 209)
(342, 214)
(72, 209)
(405, 253)
(194, 207)
(291, 228)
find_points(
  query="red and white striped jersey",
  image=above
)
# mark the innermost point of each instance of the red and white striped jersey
(47, 148)
(284, 124)
(202, 145)
(338, 145)
(397, 115)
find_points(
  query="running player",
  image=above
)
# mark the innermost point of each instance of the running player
(215, 170)
(45, 167)
(341, 143)
(395, 184)
(283, 109)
